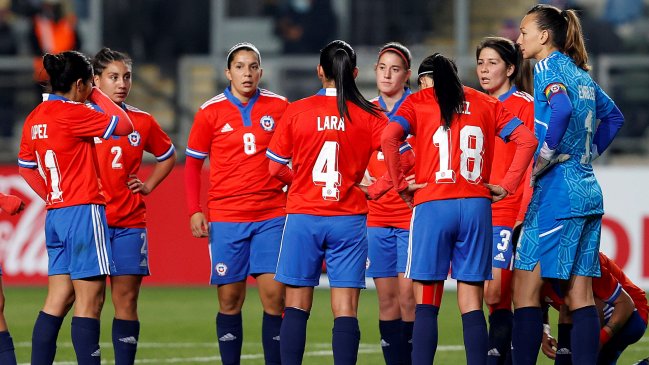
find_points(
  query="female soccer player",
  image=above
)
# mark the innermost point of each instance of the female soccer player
(388, 219)
(504, 74)
(57, 142)
(455, 127)
(561, 230)
(246, 204)
(621, 304)
(329, 137)
(119, 161)
(11, 205)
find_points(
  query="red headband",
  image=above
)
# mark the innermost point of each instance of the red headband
(391, 49)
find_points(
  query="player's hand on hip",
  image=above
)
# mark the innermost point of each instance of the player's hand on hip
(365, 190)
(199, 226)
(543, 165)
(498, 193)
(408, 194)
(135, 185)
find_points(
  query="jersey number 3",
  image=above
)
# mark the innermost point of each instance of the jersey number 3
(471, 143)
(325, 171)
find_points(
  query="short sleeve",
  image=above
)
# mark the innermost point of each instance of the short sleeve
(200, 136)
(84, 121)
(604, 103)
(280, 148)
(158, 142)
(26, 157)
(506, 122)
(406, 117)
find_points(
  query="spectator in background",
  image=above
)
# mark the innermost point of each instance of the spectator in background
(8, 47)
(53, 31)
(305, 25)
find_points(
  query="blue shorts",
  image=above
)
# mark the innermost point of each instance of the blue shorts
(563, 247)
(77, 242)
(453, 231)
(502, 251)
(130, 251)
(340, 240)
(387, 251)
(241, 249)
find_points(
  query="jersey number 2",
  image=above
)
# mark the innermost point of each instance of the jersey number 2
(471, 143)
(325, 171)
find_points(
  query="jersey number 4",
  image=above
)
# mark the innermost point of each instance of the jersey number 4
(325, 171)
(471, 143)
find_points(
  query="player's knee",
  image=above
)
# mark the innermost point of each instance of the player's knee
(389, 303)
(492, 297)
(231, 303)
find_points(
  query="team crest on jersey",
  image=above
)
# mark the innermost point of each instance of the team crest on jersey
(267, 123)
(221, 269)
(134, 138)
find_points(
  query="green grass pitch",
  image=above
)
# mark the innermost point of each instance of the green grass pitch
(178, 328)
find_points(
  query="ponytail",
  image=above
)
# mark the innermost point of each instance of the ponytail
(575, 46)
(338, 61)
(565, 32)
(449, 91)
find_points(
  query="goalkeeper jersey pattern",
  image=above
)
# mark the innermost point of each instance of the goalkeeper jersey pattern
(329, 154)
(57, 139)
(234, 136)
(572, 184)
(121, 156)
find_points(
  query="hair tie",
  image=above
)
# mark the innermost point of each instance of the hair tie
(564, 14)
(398, 52)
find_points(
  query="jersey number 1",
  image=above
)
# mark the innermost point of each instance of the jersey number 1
(52, 167)
(471, 143)
(325, 171)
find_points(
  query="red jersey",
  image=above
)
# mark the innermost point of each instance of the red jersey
(505, 212)
(329, 154)
(57, 139)
(120, 157)
(455, 162)
(607, 288)
(235, 137)
(389, 210)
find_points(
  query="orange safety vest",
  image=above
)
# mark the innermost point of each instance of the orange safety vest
(53, 37)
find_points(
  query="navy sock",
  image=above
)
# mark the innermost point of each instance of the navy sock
(527, 334)
(270, 328)
(85, 339)
(424, 334)
(125, 337)
(293, 336)
(229, 331)
(7, 353)
(476, 338)
(345, 339)
(46, 331)
(564, 350)
(406, 342)
(500, 336)
(391, 341)
(584, 337)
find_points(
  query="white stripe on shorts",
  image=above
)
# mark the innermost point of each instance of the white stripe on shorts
(100, 241)
(550, 231)
(409, 261)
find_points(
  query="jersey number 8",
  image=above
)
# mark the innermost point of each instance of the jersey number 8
(471, 143)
